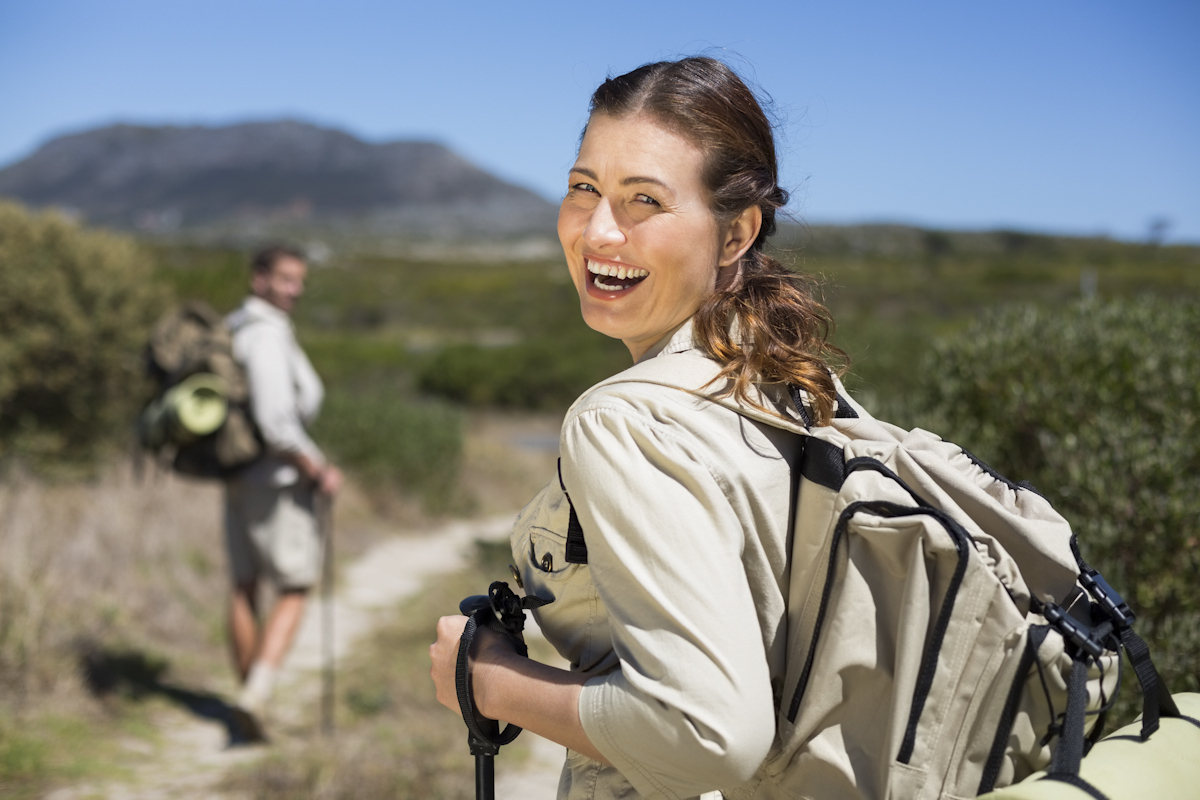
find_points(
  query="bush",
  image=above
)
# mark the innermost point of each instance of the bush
(542, 374)
(76, 305)
(391, 440)
(1098, 406)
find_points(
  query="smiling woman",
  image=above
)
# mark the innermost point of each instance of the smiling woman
(637, 210)
(669, 610)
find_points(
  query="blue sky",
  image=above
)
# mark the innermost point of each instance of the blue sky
(1061, 116)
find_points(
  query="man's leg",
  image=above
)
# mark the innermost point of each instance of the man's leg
(277, 638)
(282, 625)
(243, 627)
(277, 635)
(244, 508)
(289, 543)
(245, 643)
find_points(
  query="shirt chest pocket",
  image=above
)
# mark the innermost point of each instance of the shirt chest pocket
(540, 539)
(574, 621)
(547, 552)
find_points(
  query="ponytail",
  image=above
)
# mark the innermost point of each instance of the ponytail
(780, 336)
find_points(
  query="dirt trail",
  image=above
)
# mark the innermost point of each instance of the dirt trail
(192, 756)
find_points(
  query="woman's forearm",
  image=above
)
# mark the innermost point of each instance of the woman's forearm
(512, 688)
(535, 696)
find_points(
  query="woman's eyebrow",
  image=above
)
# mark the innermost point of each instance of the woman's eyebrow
(587, 173)
(643, 179)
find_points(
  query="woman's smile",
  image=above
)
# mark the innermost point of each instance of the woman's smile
(609, 280)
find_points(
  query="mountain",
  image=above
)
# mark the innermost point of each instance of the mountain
(260, 178)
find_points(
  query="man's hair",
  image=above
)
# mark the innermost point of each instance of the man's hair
(264, 260)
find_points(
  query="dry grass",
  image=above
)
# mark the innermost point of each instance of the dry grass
(119, 570)
(118, 560)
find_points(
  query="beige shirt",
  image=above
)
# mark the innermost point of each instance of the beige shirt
(285, 391)
(679, 614)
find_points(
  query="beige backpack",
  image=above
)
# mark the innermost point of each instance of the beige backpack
(944, 636)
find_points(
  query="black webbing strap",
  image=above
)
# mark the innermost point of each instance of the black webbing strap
(1068, 755)
(823, 463)
(844, 410)
(1156, 700)
(576, 550)
(800, 399)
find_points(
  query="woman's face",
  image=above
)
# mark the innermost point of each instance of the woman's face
(643, 247)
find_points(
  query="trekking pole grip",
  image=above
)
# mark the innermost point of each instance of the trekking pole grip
(484, 734)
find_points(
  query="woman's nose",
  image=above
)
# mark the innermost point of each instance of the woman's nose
(602, 229)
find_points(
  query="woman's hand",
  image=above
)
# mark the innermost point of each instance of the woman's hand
(511, 688)
(489, 649)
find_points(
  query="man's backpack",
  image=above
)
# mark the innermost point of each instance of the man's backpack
(199, 421)
(945, 637)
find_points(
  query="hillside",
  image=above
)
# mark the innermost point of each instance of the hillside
(264, 178)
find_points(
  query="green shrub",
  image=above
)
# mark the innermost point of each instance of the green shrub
(75, 308)
(391, 440)
(1098, 406)
(544, 373)
(220, 276)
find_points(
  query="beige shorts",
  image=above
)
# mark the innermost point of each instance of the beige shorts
(272, 533)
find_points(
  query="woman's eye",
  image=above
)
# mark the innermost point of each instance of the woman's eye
(583, 187)
(645, 198)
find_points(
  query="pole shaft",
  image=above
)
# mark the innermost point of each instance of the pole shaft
(325, 516)
(485, 778)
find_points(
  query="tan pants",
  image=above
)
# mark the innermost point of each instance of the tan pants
(272, 533)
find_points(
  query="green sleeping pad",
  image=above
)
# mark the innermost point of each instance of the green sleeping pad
(1123, 767)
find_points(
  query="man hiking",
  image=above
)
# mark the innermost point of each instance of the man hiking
(271, 528)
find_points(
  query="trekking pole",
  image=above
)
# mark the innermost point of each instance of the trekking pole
(325, 521)
(503, 612)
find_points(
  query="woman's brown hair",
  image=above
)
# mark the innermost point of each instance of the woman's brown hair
(782, 331)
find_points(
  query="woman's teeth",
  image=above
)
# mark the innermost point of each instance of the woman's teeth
(626, 275)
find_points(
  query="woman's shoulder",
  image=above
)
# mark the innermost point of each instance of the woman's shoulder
(683, 386)
(668, 411)
(668, 380)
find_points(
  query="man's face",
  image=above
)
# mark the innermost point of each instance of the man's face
(282, 285)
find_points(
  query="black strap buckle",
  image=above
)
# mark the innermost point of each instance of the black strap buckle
(1108, 598)
(1072, 629)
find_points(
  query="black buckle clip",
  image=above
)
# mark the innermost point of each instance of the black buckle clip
(1113, 604)
(1072, 629)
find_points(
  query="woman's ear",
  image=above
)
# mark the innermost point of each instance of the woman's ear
(740, 233)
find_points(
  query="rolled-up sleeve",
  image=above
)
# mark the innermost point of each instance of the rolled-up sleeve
(273, 400)
(690, 709)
